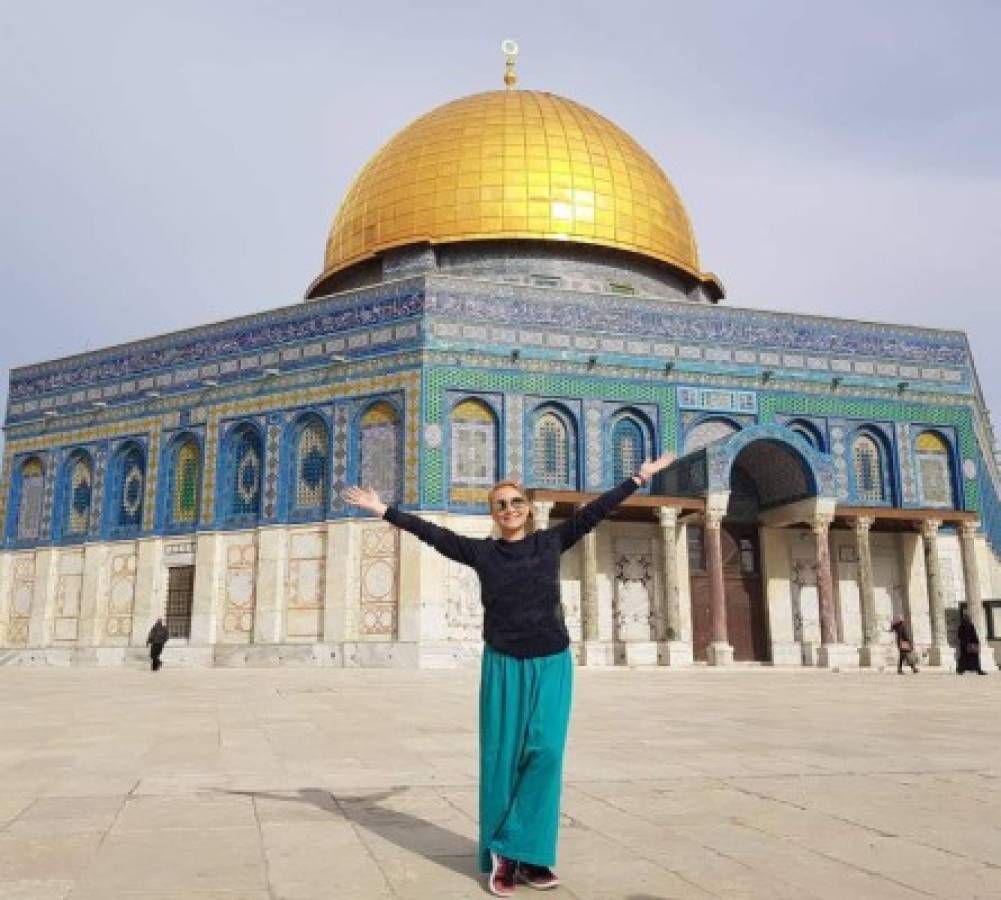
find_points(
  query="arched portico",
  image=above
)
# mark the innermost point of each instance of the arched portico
(763, 477)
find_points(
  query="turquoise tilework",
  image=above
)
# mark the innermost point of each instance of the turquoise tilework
(442, 378)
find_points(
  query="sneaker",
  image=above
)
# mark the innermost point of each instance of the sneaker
(501, 881)
(542, 878)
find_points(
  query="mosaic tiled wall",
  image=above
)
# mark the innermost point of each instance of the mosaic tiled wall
(510, 341)
(540, 384)
(957, 417)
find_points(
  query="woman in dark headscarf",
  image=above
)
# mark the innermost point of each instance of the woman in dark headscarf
(969, 647)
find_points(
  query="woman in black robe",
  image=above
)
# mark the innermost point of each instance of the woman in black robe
(969, 647)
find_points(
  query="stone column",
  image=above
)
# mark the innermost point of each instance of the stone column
(871, 654)
(540, 513)
(667, 617)
(832, 653)
(939, 653)
(594, 652)
(974, 597)
(720, 652)
(825, 584)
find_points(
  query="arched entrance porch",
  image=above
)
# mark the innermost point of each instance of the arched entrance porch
(762, 474)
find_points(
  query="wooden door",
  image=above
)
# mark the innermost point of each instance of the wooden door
(745, 612)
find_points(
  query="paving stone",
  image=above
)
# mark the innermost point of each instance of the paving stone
(257, 784)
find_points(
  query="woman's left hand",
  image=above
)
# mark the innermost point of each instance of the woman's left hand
(652, 467)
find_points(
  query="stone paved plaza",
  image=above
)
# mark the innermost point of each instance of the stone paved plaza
(260, 784)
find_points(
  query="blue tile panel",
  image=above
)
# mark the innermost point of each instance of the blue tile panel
(669, 365)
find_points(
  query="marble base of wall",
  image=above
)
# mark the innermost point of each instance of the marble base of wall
(787, 653)
(675, 653)
(942, 657)
(449, 654)
(873, 656)
(719, 654)
(636, 653)
(809, 653)
(597, 653)
(838, 656)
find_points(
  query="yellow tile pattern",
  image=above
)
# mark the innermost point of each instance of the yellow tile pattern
(512, 164)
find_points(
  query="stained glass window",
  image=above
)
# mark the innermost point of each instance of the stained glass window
(933, 469)
(29, 509)
(187, 476)
(628, 448)
(133, 482)
(551, 452)
(246, 473)
(311, 465)
(474, 451)
(379, 446)
(868, 469)
(81, 493)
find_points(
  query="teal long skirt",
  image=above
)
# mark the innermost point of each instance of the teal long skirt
(524, 712)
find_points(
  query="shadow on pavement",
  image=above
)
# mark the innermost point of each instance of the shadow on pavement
(408, 832)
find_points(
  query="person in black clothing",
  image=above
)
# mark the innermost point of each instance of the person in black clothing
(905, 646)
(527, 670)
(158, 636)
(969, 647)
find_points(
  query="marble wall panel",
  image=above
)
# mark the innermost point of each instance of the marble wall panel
(379, 578)
(239, 590)
(121, 595)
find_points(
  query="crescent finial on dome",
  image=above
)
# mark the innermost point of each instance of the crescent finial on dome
(510, 49)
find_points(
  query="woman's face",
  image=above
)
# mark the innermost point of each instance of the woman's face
(509, 509)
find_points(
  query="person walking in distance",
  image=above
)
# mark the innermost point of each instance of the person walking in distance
(158, 636)
(527, 671)
(905, 646)
(969, 646)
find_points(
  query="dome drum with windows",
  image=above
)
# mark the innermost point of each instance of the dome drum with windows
(514, 165)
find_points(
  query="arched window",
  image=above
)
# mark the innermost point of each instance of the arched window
(867, 463)
(186, 477)
(473, 451)
(808, 432)
(29, 506)
(245, 471)
(932, 451)
(131, 484)
(707, 432)
(554, 462)
(79, 494)
(379, 450)
(629, 448)
(311, 454)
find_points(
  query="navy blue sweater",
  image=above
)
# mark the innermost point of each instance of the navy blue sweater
(519, 580)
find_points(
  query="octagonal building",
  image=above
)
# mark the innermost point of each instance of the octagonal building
(510, 289)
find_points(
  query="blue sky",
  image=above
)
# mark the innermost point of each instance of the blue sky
(165, 164)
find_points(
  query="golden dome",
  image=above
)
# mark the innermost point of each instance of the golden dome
(512, 164)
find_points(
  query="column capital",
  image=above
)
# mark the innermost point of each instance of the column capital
(969, 529)
(862, 524)
(542, 507)
(667, 516)
(820, 523)
(714, 518)
(929, 528)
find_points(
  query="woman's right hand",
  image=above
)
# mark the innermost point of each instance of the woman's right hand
(364, 498)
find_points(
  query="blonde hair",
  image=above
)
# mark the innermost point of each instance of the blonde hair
(507, 482)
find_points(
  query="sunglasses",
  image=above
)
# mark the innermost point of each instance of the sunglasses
(516, 504)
